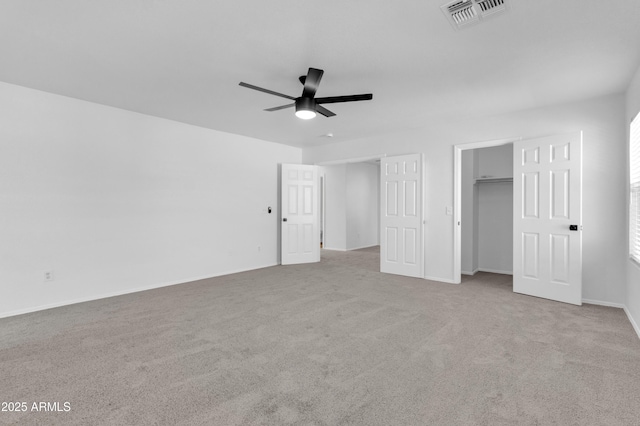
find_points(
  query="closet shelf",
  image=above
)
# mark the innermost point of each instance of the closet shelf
(494, 179)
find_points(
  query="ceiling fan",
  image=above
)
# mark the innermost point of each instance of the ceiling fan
(308, 105)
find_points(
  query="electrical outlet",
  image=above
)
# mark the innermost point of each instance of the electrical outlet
(449, 211)
(48, 275)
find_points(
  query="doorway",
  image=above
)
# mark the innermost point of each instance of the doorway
(350, 200)
(487, 210)
(457, 201)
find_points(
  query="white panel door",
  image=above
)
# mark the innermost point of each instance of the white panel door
(547, 218)
(300, 214)
(401, 215)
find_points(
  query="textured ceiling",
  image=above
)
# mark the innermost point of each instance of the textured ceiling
(183, 60)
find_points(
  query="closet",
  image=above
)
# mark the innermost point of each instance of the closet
(487, 210)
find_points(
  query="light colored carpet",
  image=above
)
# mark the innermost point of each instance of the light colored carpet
(325, 344)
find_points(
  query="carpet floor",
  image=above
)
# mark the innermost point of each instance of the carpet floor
(333, 343)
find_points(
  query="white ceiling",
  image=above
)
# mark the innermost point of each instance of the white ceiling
(183, 59)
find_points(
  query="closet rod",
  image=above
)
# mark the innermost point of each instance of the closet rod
(494, 180)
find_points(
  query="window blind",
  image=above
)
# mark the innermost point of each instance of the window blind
(634, 189)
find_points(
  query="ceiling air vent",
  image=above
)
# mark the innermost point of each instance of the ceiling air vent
(462, 13)
(488, 7)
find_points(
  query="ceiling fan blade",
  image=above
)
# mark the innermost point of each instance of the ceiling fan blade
(278, 108)
(271, 92)
(349, 98)
(311, 82)
(322, 110)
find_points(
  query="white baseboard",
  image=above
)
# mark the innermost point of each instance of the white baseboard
(495, 271)
(123, 292)
(333, 249)
(362, 247)
(475, 271)
(602, 303)
(633, 322)
(622, 306)
(442, 280)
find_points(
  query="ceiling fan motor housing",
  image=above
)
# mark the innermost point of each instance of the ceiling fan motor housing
(305, 104)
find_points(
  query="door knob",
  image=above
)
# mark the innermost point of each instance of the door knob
(573, 227)
(284, 219)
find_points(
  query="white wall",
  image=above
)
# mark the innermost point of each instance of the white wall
(495, 161)
(352, 213)
(469, 214)
(633, 270)
(362, 195)
(335, 181)
(113, 201)
(495, 210)
(495, 227)
(601, 119)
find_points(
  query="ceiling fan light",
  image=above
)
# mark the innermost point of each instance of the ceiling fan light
(305, 108)
(305, 114)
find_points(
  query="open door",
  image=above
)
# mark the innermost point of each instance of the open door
(300, 214)
(547, 218)
(401, 215)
